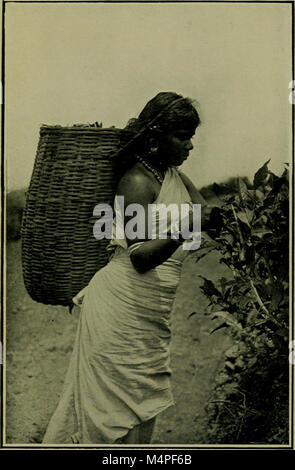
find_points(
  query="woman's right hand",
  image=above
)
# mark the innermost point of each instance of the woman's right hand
(188, 225)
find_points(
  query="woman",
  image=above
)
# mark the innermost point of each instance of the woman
(119, 374)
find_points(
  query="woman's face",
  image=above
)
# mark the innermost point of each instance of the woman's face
(175, 146)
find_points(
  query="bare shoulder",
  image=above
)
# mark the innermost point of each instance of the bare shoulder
(136, 186)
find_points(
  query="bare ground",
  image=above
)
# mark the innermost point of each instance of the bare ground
(39, 344)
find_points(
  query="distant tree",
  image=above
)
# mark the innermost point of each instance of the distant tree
(220, 190)
(15, 203)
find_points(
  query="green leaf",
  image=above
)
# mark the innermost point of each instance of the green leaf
(249, 214)
(240, 363)
(259, 195)
(222, 378)
(283, 332)
(260, 233)
(229, 238)
(229, 365)
(243, 217)
(233, 352)
(261, 175)
(223, 282)
(243, 191)
(276, 299)
(209, 288)
(228, 319)
(243, 302)
(229, 388)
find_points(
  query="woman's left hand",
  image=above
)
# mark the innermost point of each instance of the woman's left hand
(212, 221)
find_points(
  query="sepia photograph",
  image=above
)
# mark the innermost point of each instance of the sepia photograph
(147, 241)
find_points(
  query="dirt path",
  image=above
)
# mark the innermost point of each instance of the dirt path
(40, 339)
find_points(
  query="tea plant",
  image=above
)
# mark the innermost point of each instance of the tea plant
(251, 232)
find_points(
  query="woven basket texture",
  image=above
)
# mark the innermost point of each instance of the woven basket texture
(73, 172)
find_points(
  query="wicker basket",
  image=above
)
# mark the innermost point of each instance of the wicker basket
(73, 171)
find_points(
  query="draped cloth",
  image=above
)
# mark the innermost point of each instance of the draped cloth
(119, 372)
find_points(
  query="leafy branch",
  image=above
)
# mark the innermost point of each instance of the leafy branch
(252, 241)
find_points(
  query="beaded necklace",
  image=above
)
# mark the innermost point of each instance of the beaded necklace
(149, 167)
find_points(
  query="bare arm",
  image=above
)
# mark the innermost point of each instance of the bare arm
(137, 188)
(211, 219)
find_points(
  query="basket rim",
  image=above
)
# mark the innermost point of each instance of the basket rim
(53, 127)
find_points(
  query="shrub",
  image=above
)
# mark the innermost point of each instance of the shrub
(220, 191)
(15, 203)
(249, 403)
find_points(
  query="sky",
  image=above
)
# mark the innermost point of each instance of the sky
(81, 63)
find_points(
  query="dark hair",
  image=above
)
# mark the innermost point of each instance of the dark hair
(174, 112)
(166, 112)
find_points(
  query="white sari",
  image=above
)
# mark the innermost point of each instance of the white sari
(119, 372)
